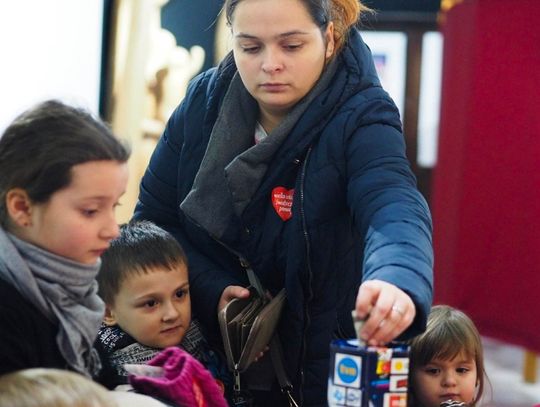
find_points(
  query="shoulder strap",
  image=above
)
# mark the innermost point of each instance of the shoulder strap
(276, 351)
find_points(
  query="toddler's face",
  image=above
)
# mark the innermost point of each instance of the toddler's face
(153, 307)
(78, 222)
(442, 380)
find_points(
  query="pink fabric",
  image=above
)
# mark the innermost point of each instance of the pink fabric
(186, 382)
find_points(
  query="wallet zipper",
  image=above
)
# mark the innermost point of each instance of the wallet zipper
(236, 375)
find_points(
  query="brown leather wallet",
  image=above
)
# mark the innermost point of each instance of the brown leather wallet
(247, 326)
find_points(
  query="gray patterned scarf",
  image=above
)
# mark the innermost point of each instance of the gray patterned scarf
(65, 291)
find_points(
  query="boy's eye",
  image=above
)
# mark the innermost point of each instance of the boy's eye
(181, 293)
(150, 303)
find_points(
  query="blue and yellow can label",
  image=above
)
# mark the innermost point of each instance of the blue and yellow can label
(347, 370)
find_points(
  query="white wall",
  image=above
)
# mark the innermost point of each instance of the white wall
(49, 49)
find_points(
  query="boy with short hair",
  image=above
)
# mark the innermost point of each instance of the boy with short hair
(143, 281)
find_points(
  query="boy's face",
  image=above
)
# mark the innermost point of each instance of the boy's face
(442, 380)
(153, 307)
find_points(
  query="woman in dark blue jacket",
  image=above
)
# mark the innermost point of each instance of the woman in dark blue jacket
(289, 158)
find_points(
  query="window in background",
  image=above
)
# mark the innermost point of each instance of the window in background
(49, 49)
(389, 51)
(430, 99)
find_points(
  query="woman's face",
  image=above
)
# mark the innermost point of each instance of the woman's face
(279, 51)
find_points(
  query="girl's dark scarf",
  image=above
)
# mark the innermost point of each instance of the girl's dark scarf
(65, 292)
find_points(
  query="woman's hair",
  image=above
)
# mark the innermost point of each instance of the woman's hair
(39, 148)
(449, 333)
(140, 247)
(52, 388)
(343, 13)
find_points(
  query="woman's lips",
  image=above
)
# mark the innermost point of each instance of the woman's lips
(274, 87)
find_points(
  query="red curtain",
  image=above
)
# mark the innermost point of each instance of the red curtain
(486, 190)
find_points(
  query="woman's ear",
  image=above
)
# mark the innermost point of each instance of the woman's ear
(19, 207)
(109, 319)
(329, 37)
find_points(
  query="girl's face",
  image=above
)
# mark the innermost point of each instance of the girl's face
(279, 51)
(78, 221)
(153, 307)
(442, 380)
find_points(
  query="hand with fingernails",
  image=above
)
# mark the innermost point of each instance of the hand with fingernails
(387, 310)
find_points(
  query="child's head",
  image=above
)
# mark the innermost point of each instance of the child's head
(63, 172)
(447, 360)
(52, 388)
(144, 282)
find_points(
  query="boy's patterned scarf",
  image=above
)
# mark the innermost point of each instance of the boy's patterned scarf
(120, 348)
(65, 292)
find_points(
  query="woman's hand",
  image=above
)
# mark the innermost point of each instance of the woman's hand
(387, 311)
(230, 292)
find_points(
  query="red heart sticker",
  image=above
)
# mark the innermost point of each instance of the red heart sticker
(282, 199)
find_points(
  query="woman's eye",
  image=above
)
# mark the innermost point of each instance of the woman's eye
(292, 47)
(250, 50)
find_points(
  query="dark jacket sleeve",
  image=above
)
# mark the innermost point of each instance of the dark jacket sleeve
(389, 210)
(165, 184)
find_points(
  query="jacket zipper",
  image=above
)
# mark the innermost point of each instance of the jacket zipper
(307, 318)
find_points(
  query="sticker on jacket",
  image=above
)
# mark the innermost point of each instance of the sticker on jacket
(282, 199)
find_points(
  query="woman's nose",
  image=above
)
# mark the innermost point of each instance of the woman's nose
(272, 62)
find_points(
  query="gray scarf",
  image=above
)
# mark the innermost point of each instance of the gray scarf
(232, 168)
(65, 291)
